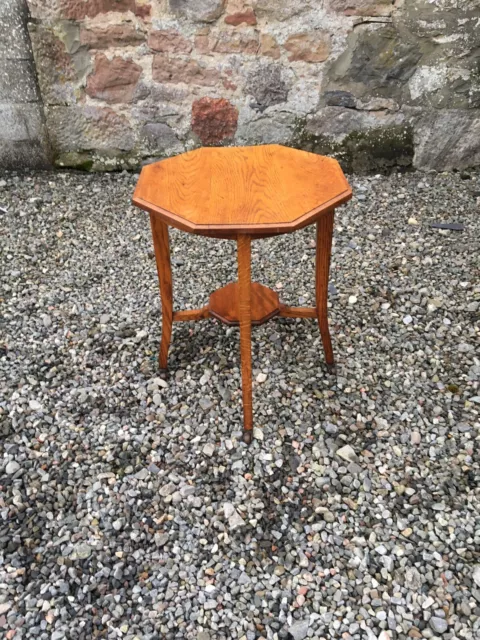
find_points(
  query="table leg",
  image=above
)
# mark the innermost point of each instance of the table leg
(324, 252)
(245, 316)
(162, 256)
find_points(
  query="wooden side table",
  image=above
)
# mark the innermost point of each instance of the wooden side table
(242, 193)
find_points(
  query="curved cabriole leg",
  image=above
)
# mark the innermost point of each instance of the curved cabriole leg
(162, 256)
(245, 321)
(324, 252)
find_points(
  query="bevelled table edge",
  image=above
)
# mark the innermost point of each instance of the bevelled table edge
(305, 219)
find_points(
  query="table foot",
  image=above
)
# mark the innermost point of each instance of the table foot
(247, 437)
(331, 369)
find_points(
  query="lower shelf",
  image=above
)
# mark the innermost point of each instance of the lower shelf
(223, 304)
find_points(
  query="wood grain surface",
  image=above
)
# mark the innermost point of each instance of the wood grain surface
(297, 312)
(244, 308)
(161, 247)
(324, 252)
(224, 304)
(191, 315)
(255, 190)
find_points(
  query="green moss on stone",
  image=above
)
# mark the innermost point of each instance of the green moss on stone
(112, 160)
(74, 160)
(373, 150)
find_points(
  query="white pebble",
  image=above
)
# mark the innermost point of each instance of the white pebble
(347, 453)
(209, 449)
(415, 437)
(12, 467)
(476, 575)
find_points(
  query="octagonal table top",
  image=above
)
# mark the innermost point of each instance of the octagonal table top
(259, 190)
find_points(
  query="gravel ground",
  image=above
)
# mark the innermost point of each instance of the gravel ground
(130, 507)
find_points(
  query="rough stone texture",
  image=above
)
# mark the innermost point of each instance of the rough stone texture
(340, 99)
(269, 46)
(362, 140)
(363, 7)
(113, 80)
(274, 10)
(231, 41)
(448, 139)
(266, 129)
(214, 120)
(377, 83)
(168, 42)
(62, 62)
(160, 138)
(339, 122)
(377, 61)
(373, 150)
(181, 70)
(23, 135)
(308, 47)
(81, 9)
(241, 17)
(90, 128)
(266, 85)
(198, 10)
(115, 35)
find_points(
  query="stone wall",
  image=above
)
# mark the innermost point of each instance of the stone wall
(23, 135)
(378, 83)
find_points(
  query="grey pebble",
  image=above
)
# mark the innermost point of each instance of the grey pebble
(347, 453)
(209, 449)
(118, 524)
(206, 403)
(167, 489)
(476, 574)
(299, 629)
(330, 428)
(12, 467)
(81, 551)
(235, 521)
(161, 539)
(439, 625)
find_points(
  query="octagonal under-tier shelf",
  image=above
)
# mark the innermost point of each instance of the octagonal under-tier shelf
(223, 304)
